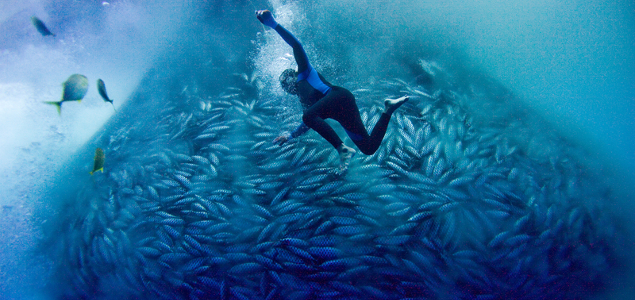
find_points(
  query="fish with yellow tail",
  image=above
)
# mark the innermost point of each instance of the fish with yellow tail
(75, 88)
(100, 158)
(101, 88)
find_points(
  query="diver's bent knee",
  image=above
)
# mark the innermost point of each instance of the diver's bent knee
(367, 150)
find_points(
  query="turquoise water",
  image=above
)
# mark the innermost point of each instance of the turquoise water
(505, 176)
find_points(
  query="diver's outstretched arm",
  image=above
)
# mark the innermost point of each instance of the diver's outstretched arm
(287, 136)
(299, 54)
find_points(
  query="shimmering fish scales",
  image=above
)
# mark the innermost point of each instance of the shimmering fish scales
(41, 28)
(101, 88)
(325, 237)
(75, 88)
(100, 157)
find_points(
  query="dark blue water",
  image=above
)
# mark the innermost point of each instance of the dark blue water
(505, 175)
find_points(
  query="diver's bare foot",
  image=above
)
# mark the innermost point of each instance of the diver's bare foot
(393, 104)
(346, 154)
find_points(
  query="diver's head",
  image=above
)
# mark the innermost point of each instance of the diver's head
(288, 80)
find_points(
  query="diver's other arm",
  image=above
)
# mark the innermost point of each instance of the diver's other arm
(299, 54)
(287, 136)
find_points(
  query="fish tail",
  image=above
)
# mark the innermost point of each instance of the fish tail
(113, 106)
(100, 169)
(57, 104)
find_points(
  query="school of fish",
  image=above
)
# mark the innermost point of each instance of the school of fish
(198, 203)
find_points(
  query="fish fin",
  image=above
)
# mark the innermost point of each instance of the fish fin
(58, 104)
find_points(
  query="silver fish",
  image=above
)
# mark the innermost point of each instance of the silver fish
(75, 88)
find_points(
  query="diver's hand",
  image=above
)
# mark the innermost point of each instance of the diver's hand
(283, 138)
(266, 18)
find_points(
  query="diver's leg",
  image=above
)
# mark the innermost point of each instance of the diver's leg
(314, 118)
(368, 144)
(348, 116)
(346, 112)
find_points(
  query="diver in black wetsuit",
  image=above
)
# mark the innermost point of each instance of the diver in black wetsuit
(321, 101)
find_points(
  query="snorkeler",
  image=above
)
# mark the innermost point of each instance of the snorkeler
(321, 100)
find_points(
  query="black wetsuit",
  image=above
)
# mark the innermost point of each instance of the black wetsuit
(321, 101)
